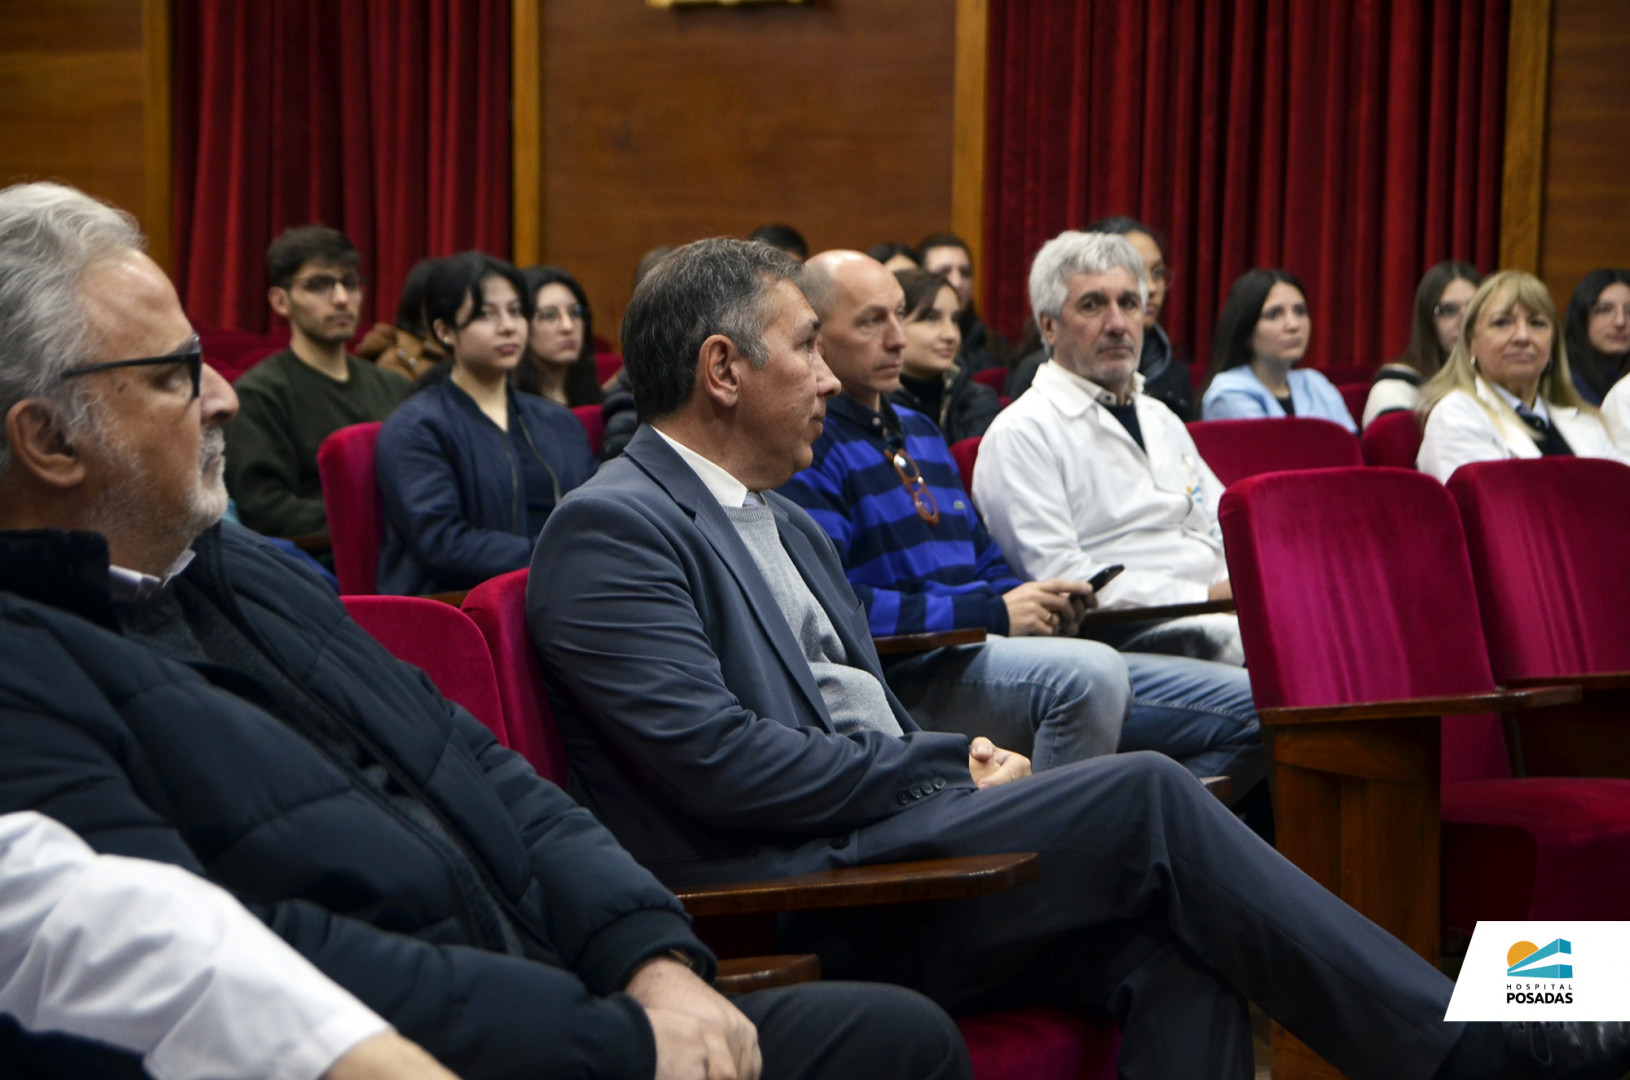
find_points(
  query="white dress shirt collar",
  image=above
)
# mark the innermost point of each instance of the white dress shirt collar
(726, 488)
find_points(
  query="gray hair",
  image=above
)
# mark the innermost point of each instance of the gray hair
(1074, 252)
(50, 234)
(717, 286)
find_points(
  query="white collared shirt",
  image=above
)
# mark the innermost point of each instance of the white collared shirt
(159, 962)
(726, 488)
(130, 586)
(1066, 491)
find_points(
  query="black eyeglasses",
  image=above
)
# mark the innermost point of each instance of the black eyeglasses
(1450, 310)
(191, 354)
(324, 284)
(912, 477)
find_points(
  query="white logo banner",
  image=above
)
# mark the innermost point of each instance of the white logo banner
(1544, 971)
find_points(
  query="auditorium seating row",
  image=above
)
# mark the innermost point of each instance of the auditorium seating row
(1422, 653)
(481, 656)
(1236, 449)
(1393, 624)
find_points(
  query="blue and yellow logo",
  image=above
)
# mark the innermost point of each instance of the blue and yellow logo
(1527, 960)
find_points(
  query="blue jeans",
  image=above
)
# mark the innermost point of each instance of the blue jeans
(1060, 700)
(1056, 700)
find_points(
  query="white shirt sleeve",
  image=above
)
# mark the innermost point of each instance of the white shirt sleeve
(154, 960)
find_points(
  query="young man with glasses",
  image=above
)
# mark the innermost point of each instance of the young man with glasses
(294, 400)
(884, 487)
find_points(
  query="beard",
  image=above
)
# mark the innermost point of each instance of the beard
(208, 503)
(127, 511)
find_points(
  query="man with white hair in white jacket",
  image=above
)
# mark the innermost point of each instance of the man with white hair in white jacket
(1085, 471)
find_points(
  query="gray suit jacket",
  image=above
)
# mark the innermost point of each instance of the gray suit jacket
(693, 725)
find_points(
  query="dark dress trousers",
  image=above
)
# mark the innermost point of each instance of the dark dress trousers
(697, 734)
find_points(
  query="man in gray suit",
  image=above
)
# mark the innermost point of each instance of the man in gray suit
(726, 716)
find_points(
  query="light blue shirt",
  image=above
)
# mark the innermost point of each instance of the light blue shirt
(1237, 394)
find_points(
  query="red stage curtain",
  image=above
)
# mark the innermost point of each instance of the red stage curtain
(387, 119)
(1351, 142)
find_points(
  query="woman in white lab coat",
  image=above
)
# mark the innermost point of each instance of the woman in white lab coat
(1506, 391)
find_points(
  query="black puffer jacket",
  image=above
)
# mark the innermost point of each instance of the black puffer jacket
(961, 407)
(148, 757)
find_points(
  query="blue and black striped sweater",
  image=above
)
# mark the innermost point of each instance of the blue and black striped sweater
(912, 576)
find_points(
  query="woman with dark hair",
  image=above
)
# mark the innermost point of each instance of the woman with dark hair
(1505, 391)
(1597, 332)
(559, 363)
(405, 346)
(895, 256)
(1440, 305)
(469, 468)
(1263, 330)
(931, 381)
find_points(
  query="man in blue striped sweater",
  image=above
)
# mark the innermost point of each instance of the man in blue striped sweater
(884, 487)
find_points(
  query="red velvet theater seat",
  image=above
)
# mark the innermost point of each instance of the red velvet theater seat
(440, 640)
(1354, 586)
(1549, 540)
(966, 453)
(593, 419)
(1392, 440)
(1019, 1044)
(1236, 449)
(356, 514)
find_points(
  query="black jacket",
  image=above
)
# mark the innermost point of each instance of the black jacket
(961, 407)
(454, 486)
(148, 757)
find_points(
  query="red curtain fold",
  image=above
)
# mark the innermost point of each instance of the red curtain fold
(1351, 142)
(387, 119)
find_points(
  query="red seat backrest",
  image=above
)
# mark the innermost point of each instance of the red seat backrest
(1393, 439)
(356, 514)
(607, 364)
(593, 419)
(498, 608)
(1354, 585)
(1354, 395)
(442, 641)
(1547, 539)
(1236, 449)
(966, 452)
(995, 378)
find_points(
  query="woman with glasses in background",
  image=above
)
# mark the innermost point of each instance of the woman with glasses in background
(559, 362)
(1440, 304)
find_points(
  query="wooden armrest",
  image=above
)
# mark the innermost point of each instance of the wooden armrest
(900, 644)
(1105, 616)
(1220, 786)
(866, 886)
(745, 974)
(1596, 680)
(455, 598)
(317, 541)
(1410, 708)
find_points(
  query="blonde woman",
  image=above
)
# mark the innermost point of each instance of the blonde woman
(1505, 391)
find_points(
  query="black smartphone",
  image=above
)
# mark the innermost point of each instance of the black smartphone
(1105, 576)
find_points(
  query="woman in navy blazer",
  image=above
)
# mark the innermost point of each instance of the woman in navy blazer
(1262, 332)
(468, 468)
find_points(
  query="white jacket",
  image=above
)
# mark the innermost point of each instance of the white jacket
(1066, 491)
(1460, 430)
(1616, 413)
(157, 961)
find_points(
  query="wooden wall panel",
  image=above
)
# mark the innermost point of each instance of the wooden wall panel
(1586, 216)
(82, 101)
(660, 127)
